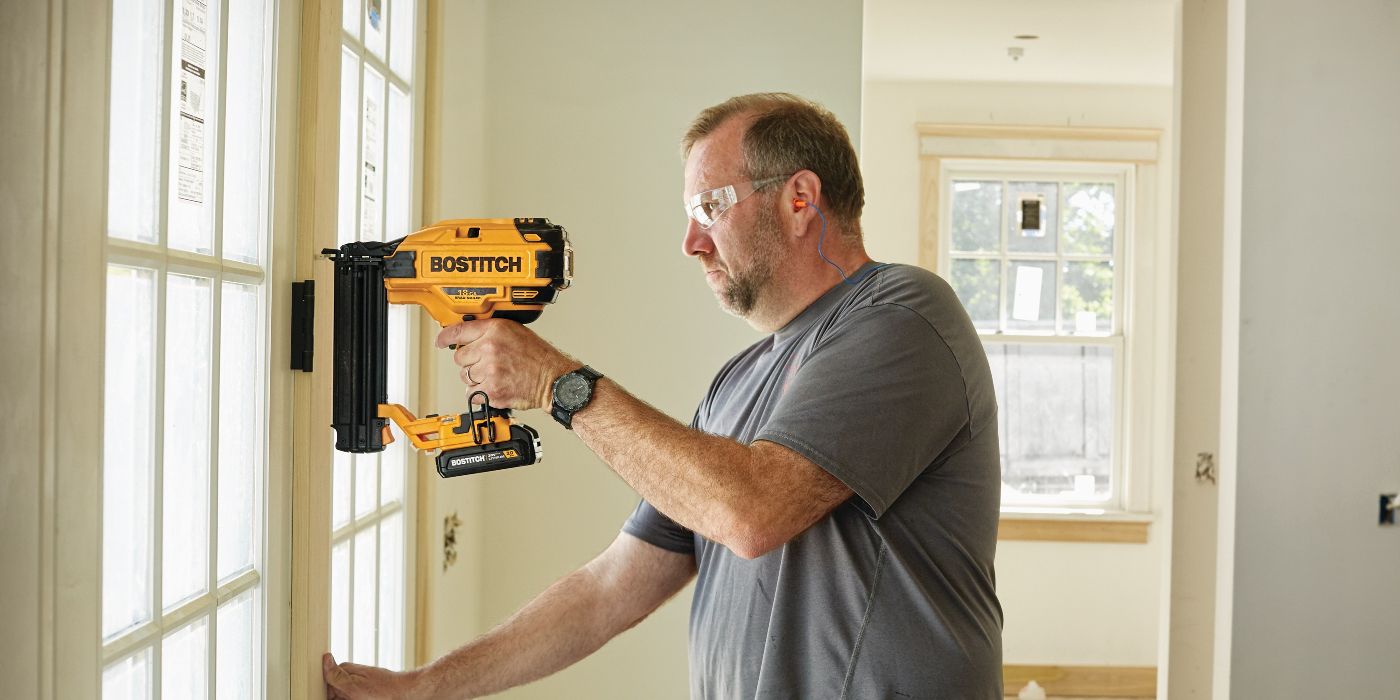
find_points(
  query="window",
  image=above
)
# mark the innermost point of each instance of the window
(1034, 252)
(370, 535)
(186, 378)
(1053, 239)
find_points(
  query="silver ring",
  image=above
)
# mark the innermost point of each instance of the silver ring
(471, 381)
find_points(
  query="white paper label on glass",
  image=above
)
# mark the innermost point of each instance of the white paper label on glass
(194, 20)
(1028, 287)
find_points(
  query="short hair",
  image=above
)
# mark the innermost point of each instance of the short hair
(785, 134)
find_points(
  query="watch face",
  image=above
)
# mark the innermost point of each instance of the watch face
(571, 392)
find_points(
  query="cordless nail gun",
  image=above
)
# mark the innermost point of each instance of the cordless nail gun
(459, 270)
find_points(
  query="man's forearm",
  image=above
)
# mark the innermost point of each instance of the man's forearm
(562, 625)
(705, 482)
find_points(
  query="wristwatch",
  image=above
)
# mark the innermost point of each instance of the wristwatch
(572, 392)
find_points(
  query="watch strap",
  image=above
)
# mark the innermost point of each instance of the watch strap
(564, 416)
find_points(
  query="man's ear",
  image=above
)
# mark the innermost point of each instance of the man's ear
(802, 193)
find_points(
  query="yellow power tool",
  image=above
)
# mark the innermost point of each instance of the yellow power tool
(458, 270)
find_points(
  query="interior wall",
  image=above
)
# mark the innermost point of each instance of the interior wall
(1065, 603)
(584, 105)
(1314, 577)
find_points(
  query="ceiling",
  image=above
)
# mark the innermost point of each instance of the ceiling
(1116, 42)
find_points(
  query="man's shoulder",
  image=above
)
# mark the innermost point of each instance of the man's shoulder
(909, 286)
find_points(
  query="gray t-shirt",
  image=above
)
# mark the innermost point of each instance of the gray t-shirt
(885, 385)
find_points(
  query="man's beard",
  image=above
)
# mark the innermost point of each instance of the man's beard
(742, 290)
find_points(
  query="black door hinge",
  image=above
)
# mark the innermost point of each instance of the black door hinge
(303, 324)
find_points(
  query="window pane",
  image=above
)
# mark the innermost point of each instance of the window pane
(350, 17)
(363, 627)
(244, 143)
(128, 447)
(340, 486)
(133, 173)
(391, 575)
(236, 670)
(1032, 297)
(1089, 218)
(372, 182)
(185, 662)
(366, 481)
(1086, 293)
(241, 427)
(185, 472)
(375, 31)
(349, 145)
(194, 94)
(399, 190)
(128, 679)
(1056, 420)
(976, 216)
(978, 284)
(340, 601)
(402, 43)
(391, 461)
(1041, 197)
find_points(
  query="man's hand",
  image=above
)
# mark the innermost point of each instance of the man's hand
(349, 681)
(515, 367)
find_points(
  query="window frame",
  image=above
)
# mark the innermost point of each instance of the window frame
(1144, 288)
(1061, 172)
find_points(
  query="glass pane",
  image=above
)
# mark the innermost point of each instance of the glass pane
(976, 216)
(978, 284)
(349, 145)
(350, 17)
(372, 182)
(391, 575)
(399, 190)
(340, 601)
(1034, 200)
(1089, 218)
(245, 150)
(185, 499)
(240, 423)
(236, 667)
(184, 664)
(133, 144)
(1031, 288)
(363, 628)
(340, 487)
(402, 43)
(128, 679)
(366, 481)
(375, 29)
(194, 107)
(1086, 295)
(128, 447)
(1056, 420)
(391, 461)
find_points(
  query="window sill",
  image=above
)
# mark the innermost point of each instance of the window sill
(1114, 527)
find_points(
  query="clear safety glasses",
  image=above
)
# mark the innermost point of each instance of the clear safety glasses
(707, 207)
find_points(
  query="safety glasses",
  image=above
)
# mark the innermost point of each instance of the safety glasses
(707, 207)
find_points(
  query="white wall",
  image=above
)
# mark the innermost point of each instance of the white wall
(1315, 580)
(584, 105)
(1074, 604)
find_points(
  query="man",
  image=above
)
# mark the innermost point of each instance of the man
(837, 491)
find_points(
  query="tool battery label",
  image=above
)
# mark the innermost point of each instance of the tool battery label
(482, 458)
(470, 293)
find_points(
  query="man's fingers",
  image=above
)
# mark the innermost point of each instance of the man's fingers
(335, 676)
(461, 333)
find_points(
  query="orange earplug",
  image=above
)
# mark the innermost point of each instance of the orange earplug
(799, 203)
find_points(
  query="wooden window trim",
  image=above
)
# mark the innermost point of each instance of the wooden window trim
(1083, 681)
(1108, 528)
